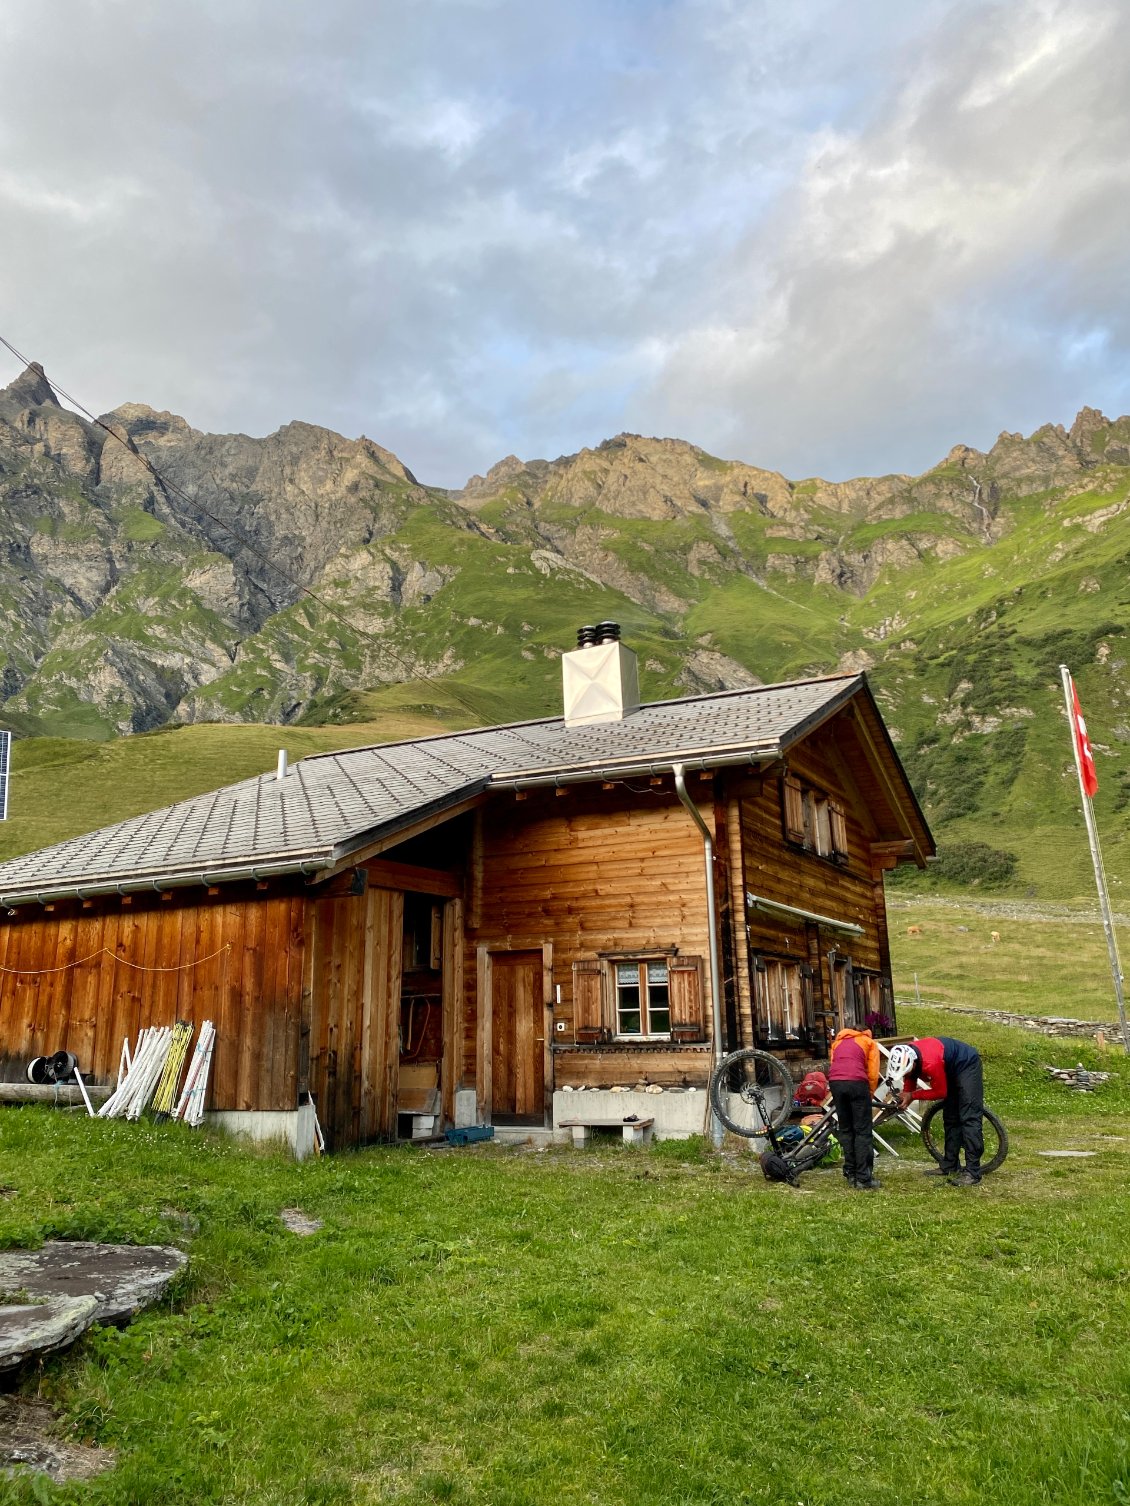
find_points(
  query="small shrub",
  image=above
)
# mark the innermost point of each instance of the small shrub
(975, 864)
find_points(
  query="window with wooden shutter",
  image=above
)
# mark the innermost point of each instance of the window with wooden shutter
(792, 799)
(783, 1001)
(687, 1023)
(847, 1003)
(588, 1000)
(838, 823)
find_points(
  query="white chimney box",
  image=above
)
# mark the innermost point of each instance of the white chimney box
(601, 684)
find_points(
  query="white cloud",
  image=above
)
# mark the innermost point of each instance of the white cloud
(820, 237)
(927, 269)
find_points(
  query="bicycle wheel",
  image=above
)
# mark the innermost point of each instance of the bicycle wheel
(996, 1136)
(751, 1090)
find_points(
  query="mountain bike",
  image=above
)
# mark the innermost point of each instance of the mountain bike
(751, 1091)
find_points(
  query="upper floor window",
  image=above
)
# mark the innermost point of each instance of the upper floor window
(813, 820)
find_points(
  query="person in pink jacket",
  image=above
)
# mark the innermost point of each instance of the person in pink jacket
(853, 1077)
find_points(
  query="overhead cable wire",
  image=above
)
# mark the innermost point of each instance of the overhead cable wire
(168, 486)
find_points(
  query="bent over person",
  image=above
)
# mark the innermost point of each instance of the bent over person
(949, 1070)
(853, 1076)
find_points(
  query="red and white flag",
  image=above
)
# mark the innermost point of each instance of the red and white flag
(1083, 746)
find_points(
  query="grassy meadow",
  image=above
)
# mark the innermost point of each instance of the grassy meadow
(507, 1326)
(1047, 962)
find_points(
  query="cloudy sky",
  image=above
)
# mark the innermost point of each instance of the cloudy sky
(827, 238)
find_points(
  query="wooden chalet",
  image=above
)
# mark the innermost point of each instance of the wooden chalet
(460, 928)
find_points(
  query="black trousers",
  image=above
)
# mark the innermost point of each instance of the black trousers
(961, 1115)
(853, 1109)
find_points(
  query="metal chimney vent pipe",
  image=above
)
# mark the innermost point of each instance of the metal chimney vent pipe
(603, 632)
(283, 770)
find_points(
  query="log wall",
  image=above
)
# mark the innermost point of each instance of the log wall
(777, 870)
(83, 980)
(589, 872)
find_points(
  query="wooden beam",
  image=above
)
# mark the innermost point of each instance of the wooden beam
(890, 787)
(349, 883)
(899, 849)
(483, 1046)
(385, 874)
(547, 1030)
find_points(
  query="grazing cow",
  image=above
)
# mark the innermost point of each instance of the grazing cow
(914, 930)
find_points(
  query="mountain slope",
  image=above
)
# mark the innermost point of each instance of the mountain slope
(130, 605)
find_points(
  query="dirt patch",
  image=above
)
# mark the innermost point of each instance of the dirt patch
(298, 1222)
(30, 1441)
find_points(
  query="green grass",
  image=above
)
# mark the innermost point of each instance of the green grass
(1052, 965)
(498, 1326)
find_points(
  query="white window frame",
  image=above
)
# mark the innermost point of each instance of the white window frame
(641, 964)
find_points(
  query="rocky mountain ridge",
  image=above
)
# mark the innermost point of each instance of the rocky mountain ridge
(130, 603)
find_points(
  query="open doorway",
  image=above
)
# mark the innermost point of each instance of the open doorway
(419, 1098)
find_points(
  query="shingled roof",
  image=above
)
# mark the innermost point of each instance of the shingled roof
(332, 804)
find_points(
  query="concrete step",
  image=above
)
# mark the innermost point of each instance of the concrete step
(527, 1134)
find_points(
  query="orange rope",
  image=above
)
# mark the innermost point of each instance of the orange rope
(42, 972)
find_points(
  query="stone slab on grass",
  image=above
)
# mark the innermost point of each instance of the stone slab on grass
(125, 1279)
(29, 1329)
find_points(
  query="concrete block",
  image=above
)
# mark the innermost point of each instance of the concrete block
(290, 1127)
(677, 1116)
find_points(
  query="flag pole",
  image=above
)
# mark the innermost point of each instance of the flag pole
(1096, 859)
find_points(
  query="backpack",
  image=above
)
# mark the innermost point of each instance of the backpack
(774, 1168)
(812, 1090)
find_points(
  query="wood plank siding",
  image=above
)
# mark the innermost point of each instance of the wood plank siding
(83, 979)
(587, 875)
(842, 885)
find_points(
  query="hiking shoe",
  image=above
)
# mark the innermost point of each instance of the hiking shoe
(965, 1179)
(872, 1185)
(940, 1171)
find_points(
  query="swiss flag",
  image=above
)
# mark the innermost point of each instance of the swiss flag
(1083, 746)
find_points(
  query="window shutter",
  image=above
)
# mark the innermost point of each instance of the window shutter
(588, 1013)
(684, 976)
(851, 1009)
(839, 831)
(792, 800)
(823, 824)
(808, 993)
(886, 989)
(774, 1001)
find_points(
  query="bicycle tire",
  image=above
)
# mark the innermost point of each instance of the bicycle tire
(932, 1136)
(763, 1084)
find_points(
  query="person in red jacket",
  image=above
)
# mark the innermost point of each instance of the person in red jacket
(941, 1067)
(853, 1077)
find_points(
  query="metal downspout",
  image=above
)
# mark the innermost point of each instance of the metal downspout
(712, 922)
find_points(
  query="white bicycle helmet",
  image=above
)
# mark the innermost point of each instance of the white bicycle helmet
(902, 1061)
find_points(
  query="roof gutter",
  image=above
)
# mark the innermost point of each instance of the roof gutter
(156, 884)
(773, 907)
(712, 931)
(593, 773)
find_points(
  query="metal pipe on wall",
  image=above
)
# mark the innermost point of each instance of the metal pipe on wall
(712, 922)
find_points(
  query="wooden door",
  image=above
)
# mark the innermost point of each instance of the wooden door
(517, 1036)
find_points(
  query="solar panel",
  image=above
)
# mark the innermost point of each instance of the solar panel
(5, 764)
